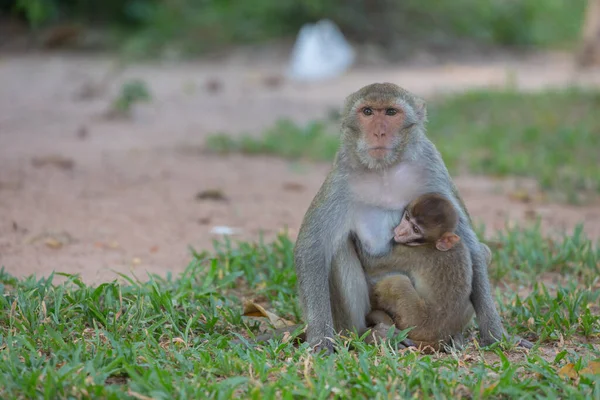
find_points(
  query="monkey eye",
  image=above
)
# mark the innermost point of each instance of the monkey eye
(367, 111)
(416, 229)
(391, 111)
(407, 216)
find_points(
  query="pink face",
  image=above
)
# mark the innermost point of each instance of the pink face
(408, 232)
(381, 124)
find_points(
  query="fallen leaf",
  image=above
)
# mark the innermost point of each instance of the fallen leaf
(521, 195)
(213, 85)
(531, 213)
(54, 240)
(293, 187)
(53, 160)
(61, 35)
(530, 322)
(204, 220)
(273, 81)
(593, 368)
(211, 194)
(568, 371)
(82, 132)
(251, 309)
(286, 337)
(136, 261)
(110, 245)
(138, 395)
(154, 249)
(486, 391)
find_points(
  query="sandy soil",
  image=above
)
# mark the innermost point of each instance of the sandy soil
(81, 193)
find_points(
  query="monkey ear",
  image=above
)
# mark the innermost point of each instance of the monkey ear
(447, 241)
(421, 109)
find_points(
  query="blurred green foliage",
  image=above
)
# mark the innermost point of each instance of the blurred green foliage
(195, 26)
(133, 91)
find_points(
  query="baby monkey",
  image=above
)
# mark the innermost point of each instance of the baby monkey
(426, 281)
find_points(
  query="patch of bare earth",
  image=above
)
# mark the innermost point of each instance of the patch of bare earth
(81, 193)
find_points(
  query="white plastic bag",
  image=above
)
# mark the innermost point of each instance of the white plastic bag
(320, 52)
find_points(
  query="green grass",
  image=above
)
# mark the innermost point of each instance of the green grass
(285, 139)
(169, 338)
(552, 136)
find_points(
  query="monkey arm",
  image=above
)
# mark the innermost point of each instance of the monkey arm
(319, 241)
(488, 319)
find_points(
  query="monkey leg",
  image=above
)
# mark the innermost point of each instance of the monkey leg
(397, 295)
(349, 291)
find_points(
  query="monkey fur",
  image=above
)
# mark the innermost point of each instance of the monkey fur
(425, 282)
(384, 160)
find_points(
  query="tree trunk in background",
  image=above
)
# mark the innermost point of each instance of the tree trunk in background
(589, 52)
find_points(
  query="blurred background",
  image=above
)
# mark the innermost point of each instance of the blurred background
(130, 130)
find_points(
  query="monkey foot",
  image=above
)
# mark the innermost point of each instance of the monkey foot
(325, 346)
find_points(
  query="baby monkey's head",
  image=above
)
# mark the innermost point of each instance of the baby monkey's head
(430, 218)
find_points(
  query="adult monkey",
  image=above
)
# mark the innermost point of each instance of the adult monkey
(384, 161)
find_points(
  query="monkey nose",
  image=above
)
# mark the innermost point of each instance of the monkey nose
(401, 231)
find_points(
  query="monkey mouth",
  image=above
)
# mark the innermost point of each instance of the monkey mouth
(379, 152)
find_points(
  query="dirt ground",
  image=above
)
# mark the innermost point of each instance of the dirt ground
(82, 193)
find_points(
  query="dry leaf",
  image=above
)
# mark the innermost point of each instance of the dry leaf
(53, 243)
(54, 240)
(211, 194)
(204, 220)
(521, 195)
(293, 187)
(213, 85)
(568, 371)
(53, 160)
(593, 368)
(530, 213)
(82, 132)
(488, 390)
(138, 395)
(251, 309)
(273, 81)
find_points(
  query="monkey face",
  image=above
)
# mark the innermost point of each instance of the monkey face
(409, 232)
(378, 122)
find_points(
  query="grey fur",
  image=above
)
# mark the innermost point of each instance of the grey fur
(331, 291)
